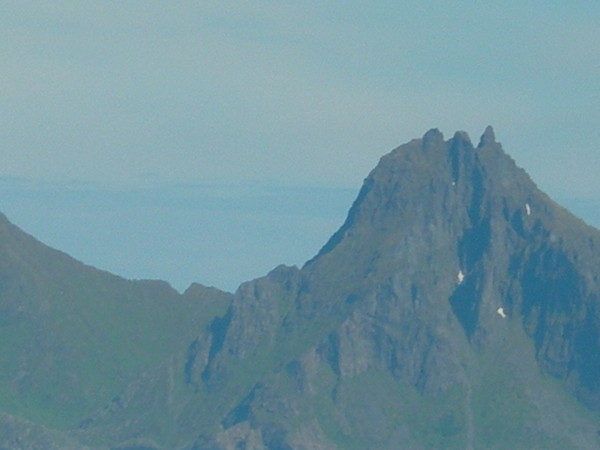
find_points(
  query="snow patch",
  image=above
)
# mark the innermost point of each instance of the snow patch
(461, 276)
(528, 209)
(501, 313)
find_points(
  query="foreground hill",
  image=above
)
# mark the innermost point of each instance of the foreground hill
(72, 337)
(457, 307)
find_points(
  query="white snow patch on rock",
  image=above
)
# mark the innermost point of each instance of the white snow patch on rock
(528, 209)
(461, 276)
(501, 313)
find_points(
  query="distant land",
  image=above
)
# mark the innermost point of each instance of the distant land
(215, 235)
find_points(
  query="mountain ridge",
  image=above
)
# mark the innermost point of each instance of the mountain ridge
(456, 307)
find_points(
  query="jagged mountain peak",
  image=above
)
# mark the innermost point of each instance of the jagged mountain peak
(456, 307)
(430, 177)
(488, 137)
(433, 318)
(470, 233)
(452, 275)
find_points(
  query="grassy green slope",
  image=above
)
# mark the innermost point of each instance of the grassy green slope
(72, 337)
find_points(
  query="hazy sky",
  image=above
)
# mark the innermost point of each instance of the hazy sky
(294, 93)
(131, 94)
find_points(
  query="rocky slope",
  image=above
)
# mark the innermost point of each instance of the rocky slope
(457, 307)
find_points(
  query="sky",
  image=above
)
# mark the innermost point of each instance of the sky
(180, 140)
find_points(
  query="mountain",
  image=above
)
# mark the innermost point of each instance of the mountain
(457, 307)
(72, 337)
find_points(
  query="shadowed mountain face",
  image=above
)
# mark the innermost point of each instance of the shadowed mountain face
(457, 307)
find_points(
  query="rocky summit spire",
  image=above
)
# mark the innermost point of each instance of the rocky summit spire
(488, 137)
(463, 137)
(432, 139)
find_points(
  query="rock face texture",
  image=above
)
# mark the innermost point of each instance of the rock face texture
(457, 307)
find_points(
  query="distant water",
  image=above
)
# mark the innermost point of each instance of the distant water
(214, 235)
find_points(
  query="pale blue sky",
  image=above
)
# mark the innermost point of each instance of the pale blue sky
(125, 95)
